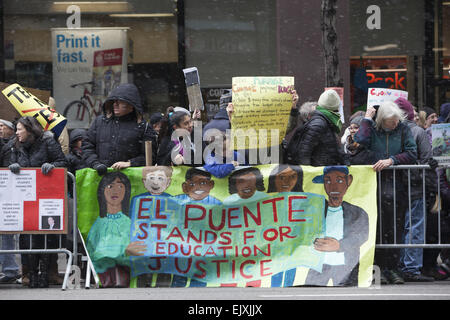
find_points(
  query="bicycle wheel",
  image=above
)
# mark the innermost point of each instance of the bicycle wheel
(77, 114)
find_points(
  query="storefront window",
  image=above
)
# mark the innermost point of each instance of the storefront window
(229, 38)
(150, 46)
(392, 43)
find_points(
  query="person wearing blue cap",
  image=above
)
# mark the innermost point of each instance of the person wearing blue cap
(346, 229)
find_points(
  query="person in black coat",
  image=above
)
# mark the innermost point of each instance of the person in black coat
(117, 138)
(319, 144)
(32, 147)
(75, 157)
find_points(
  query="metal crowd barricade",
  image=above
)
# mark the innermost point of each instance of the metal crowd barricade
(76, 233)
(408, 243)
(71, 262)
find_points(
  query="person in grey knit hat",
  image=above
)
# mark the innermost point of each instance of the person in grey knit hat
(7, 129)
(317, 145)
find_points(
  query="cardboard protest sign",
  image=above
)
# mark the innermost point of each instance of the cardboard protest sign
(192, 81)
(262, 107)
(441, 142)
(247, 229)
(31, 202)
(27, 104)
(376, 96)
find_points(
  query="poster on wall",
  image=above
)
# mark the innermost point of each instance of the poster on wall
(183, 227)
(87, 64)
(31, 202)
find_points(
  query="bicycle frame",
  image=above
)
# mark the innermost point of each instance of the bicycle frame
(92, 104)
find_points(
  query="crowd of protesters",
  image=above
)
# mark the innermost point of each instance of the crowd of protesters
(394, 133)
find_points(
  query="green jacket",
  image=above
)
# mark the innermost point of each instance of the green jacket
(398, 144)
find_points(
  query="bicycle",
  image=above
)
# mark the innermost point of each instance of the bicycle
(85, 108)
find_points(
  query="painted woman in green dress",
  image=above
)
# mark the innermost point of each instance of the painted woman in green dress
(108, 241)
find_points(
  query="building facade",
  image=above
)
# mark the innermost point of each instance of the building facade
(400, 44)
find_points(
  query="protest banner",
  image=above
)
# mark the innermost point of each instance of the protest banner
(88, 63)
(248, 229)
(8, 111)
(376, 96)
(31, 202)
(27, 104)
(262, 107)
(440, 134)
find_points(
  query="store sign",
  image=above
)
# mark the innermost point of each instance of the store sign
(87, 65)
(394, 80)
(211, 96)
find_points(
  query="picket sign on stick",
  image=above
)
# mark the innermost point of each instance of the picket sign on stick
(148, 153)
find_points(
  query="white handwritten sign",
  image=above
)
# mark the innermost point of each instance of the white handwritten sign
(376, 96)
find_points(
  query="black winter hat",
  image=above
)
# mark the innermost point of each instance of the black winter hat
(76, 134)
(156, 117)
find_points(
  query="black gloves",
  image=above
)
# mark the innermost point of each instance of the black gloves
(46, 168)
(15, 168)
(433, 163)
(101, 168)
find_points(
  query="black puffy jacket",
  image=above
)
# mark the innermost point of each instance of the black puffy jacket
(111, 139)
(319, 144)
(45, 149)
(74, 158)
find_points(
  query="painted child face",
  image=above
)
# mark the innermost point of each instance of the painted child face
(198, 187)
(156, 182)
(336, 184)
(285, 180)
(115, 192)
(246, 185)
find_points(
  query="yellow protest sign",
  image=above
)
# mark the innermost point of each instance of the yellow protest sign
(28, 105)
(261, 110)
